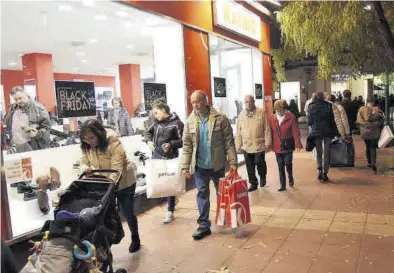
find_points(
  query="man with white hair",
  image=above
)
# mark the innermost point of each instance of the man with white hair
(254, 139)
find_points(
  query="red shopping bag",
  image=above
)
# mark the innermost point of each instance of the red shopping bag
(223, 200)
(238, 212)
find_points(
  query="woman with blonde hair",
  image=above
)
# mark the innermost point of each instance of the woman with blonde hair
(286, 138)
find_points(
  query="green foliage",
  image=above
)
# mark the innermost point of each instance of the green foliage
(338, 33)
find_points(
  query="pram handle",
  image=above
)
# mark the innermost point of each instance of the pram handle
(103, 171)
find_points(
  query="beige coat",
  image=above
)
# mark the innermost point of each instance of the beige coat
(220, 137)
(113, 158)
(253, 133)
(338, 119)
(345, 121)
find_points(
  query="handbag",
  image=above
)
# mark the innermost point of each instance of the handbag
(286, 144)
(386, 136)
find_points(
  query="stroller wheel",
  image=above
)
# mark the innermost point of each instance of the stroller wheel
(121, 270)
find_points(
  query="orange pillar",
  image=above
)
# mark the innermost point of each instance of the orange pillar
(38, 67)
(130, 86)
(196, 63)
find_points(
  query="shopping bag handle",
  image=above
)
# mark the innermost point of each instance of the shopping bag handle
(233, 174)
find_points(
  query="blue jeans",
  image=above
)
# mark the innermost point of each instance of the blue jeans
(126, 204)
(171, 199)
(202, 178)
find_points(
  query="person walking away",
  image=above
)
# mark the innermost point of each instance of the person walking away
(208, 145)
(164, 139)
(351, 109)
(337, 115)
(344, 118)
(370, 119)
(324, 129)
(102, 149)
(286, 138)
(119, 118)
(27, 122)
(293, 108)
(253, 137)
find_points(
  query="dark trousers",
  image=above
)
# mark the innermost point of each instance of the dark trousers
(171, 199)
(370, 151)
(253, 160)
(285, 160)
(126, 203)
(323, 165)
(202, 177)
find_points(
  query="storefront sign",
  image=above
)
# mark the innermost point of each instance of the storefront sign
(75, 99)
(258, 91)
(153, 92)
(17, 170)
(235, 17)
(219, 87)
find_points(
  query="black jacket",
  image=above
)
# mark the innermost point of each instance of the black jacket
(321, 119)
(169, 130)
(351, 109)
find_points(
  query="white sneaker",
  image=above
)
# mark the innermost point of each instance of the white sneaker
(169, 217)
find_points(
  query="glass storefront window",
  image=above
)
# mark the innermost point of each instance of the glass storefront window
(240, 67)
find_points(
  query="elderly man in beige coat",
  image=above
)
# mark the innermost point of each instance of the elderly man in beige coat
(253, 137)
(208, 147)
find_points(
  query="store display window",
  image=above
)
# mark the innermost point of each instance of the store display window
(63, 63)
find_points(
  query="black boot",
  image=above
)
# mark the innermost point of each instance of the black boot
(374, 169)
(320, 176)
(263, 181)
(289, 168)
(282, 185)
(135, 244)
(252, 187)
(291, 181)
(325, 177)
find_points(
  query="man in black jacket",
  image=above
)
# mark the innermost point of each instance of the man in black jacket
(165, 138)
(351, 109)
(324, 129)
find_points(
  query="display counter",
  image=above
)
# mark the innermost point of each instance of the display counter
(26, 217)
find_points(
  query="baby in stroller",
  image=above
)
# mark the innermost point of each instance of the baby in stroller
(86, 224)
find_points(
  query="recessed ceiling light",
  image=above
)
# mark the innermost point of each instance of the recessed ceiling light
(122, 13)
(101, 17)
(65, 8)
(368, 7)
(12, 63)
(129, 46)
(93, 41)
(88, 3)
(128, 24)
(84, 61)
(80, 54)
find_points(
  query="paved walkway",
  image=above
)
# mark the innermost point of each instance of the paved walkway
(345, 226)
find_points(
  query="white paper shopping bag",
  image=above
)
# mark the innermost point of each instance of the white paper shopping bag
(386, 136)
(164, 178)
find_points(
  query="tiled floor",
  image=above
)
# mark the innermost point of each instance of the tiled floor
(345, 226)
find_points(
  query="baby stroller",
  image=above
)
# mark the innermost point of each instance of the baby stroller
(86, 224)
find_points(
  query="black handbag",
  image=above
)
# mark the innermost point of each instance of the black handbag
(341, 154)
(286, 144)
(310, 144)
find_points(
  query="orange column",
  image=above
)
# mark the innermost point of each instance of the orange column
(38, 67)
(267, 74)
(130, 86)
(196, 63)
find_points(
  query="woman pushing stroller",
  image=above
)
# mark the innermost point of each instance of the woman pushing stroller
(102, 149)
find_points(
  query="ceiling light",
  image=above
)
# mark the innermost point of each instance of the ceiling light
(80, 54)
(368, 7)
(101, 17)
(12, 63)
(122, 13)
(128, 24)
(93, 41)
(88, 3)
(84, 61)
(129, 46)
(65, 8)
